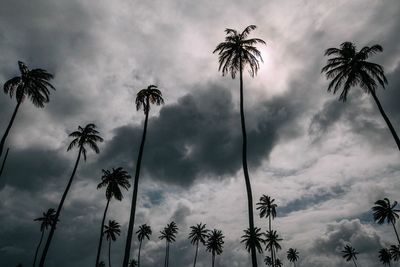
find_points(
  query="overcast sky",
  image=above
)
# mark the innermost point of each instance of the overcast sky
(325, 162)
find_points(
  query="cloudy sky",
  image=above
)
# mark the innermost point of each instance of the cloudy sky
(325, 162)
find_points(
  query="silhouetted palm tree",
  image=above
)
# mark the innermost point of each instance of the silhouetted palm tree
(214, 243)
(395, 252)
(349, 253)
(384, 256)
(292, 255)
(112, 181)
(45, 222)
(87, 136)
(145, 97)
(272, 244)
(169, 234)
(278, 263)
(133, 263)
(4, 162)
(253, 238)
(112, 230)
(198, 235)
(267, 209)
(350, 67)
(101, 264)
(143, 232)
(33, 84)
(268, 261)
(236, 53)
(384, 210)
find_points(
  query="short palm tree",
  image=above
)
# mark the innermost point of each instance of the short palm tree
(197, 235)
(133, 263)
(45, 222)
(268, 261)
(235, 54)
(349, 67)
(113, 181)
(143, 232)
(278, 263)
(395, 252)
(267, 209)
(112, 230)
(384, 256)
(169, 234)
(145, 97)
(292, 255)
(214, 243)
(385, 211)
(253, 238)
(272, 244)
(349, 253)
(87, 136)
(33, 84)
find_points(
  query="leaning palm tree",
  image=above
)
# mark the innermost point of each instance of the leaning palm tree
(395, 252)
(272, 244)
(87, 136)
(45, 222)
(143, 232)
(169, 234)
(4, 162)
(145, 97)
(292, 255)
(112, 230)
(349, 253)
(33, 84)
(235, 54)
(349, 67)
(384, 256)
(214, 243)
(253, 239)
(267, 209)
(112, 180)
(198, 235)
(384, 210)
(133, 263)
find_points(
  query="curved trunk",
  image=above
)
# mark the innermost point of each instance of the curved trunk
(134, 197)
(109, 253)
(3, 139)
(385, 117)
(37, 248)
(245, 170)
(53, 226)
(195, 255)
(101, 234)
(397, 235)
(4, 162)
(138, 259)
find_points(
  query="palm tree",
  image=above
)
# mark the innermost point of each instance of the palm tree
(133, 263)
(384, 210)
(112, 181)
(145, 97)
(33, 84)
(268, 261)
(349, 253)
(234, 54)
(293, 255)
(4, 162)
(198, 235)
(267, 209)
(87, 136)
(112, 230)
(272, 244)
(278, 263)
(46, 221)
(253, 238)
(143, 232)
(214, 243)
(101, 264)
(350, 67)
(395, 252)
(384, 256)
(169, 234)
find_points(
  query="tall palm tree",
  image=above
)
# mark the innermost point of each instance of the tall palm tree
(235, 54)
(349, 253)
(145, 97)
(272, 244)
(395, 252)
(87, 136)
(198, 235)
(214, 243)
(45, 222)
(112, 180)
(133, 263)
(253, 238)
(292, 255)
(4, 162)
(112, 230)
(33, 84)
(349, 67)
(384, 256)
(143, 232)
(384, 210)
(169, 234)
(267, 209)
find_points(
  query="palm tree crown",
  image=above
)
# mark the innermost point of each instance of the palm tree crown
(169, 232)
(349, 253)
(112, 230)
(144, 97)
(267, 207)
(113, 180)
(144, 232)
(395, 252)
(215, 241)
(384, 256)
(47, 220)
(133, 263)
(384, 210)
(272, 240)
(85, 136)
(253, 238)
(292, 255)
(198, 234)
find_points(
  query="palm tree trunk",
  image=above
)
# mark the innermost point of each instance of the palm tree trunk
(270, 229)
(37, 248)
(135, 190)
(166, 253)
(3, 139)
(53, 226)
(397, 235)
(355, 264)
(245, 170)
(138, 259)
(101, 234)
(195, 255)
(168, 256)
(213, 259)
(4, 162)
(109, 253)
(389, 124)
